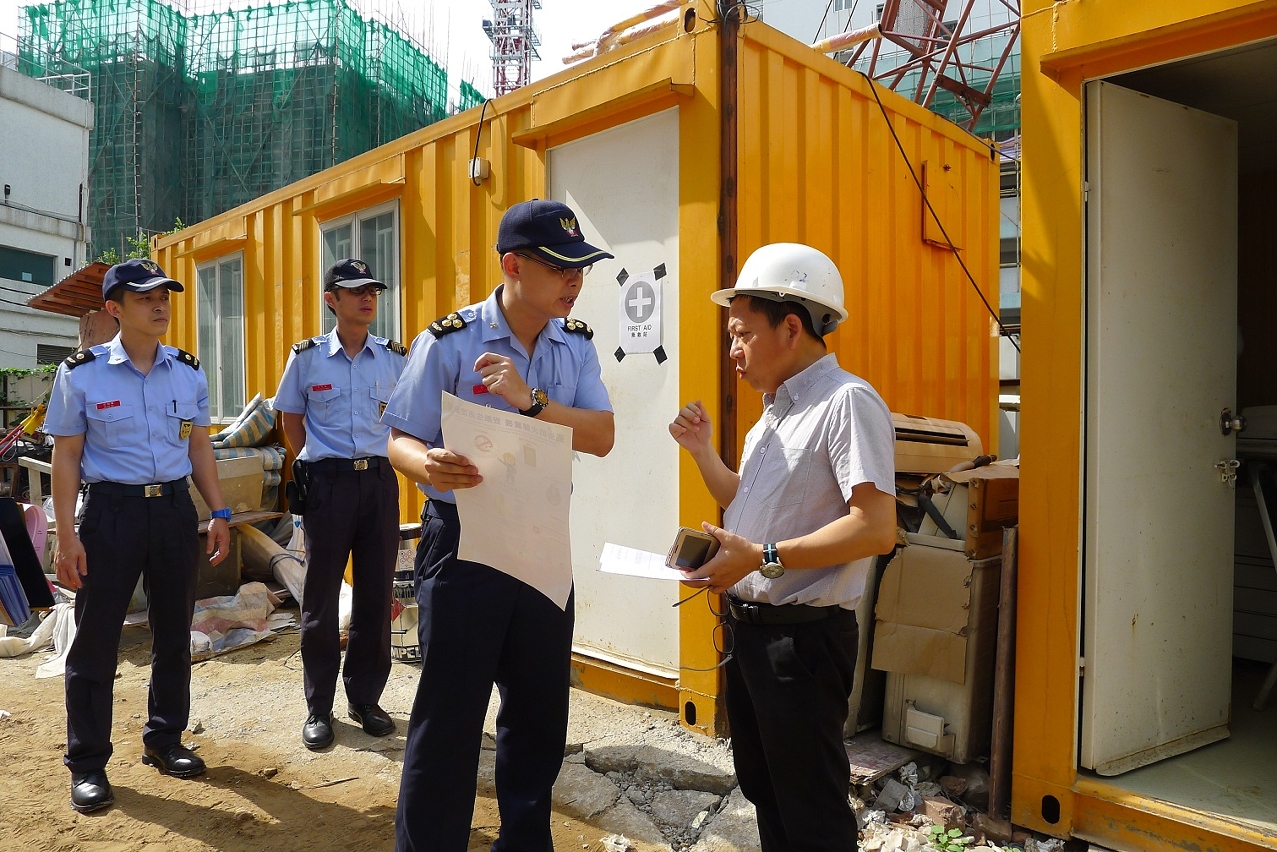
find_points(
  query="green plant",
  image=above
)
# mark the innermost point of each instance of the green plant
(949, 841)
(110, 257)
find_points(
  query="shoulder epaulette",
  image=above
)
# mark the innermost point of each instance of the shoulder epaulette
(396, 347)
(75, 359)
(447, 325)
(302, 345)
(577, 327)
(187, 358)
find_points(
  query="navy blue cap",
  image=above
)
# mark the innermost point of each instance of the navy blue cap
(139, 275)
(548, 229)
(349, 273)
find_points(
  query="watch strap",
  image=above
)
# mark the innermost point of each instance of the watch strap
(223, 513)
(539, 401)
(770, 554)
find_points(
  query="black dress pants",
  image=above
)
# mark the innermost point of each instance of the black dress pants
(349, 514)
(478, 626)
(124, 537)
(787, 691)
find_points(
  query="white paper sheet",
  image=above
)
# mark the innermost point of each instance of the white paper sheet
(617, 559)
(516, 520)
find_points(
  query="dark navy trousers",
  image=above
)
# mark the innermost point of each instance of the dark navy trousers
(787, 691)
(349, 514)
(124, 537)
(478, 626)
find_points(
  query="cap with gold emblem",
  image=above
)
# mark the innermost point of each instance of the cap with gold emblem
(550, 230)
(139, 275)
(349, 274)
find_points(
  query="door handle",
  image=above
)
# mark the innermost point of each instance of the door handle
(1230, 423)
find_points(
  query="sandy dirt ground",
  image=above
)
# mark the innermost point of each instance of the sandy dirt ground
(263, 790)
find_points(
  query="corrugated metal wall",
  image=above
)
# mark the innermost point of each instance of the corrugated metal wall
(818, 165)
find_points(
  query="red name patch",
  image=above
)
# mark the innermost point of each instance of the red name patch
(321, 387)
(115, 403)
(478, 389)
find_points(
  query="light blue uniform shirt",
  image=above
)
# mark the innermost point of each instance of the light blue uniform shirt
(565, 365)
(133, 424)
(341, 399)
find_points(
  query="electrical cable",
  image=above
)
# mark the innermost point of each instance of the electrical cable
(478, 134)
(1002, 329)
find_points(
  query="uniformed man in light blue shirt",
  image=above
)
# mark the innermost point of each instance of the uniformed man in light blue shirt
(517, 351)
(130, 420)
(330, 401)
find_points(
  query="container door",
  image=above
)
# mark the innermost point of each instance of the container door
(623, 183)
(1161, 367)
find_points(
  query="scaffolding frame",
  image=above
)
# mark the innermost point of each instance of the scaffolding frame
(515, 41)
(198, 113)
(959, 68)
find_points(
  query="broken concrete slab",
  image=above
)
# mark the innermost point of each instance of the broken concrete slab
(733, 829)
(583, 793)
(624, 818)
(689, 766)
(678, 809)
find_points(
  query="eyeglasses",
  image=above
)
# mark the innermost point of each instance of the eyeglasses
(722, 636)
(361, 291)
(565, 272)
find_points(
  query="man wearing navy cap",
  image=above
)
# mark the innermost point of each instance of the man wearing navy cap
(330, 400)
(516, 351)
(130, 419)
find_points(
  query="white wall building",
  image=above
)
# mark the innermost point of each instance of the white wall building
(44, 168)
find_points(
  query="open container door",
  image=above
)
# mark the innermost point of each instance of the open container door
(1161, 366)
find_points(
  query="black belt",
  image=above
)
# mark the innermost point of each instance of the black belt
(761, 613)
(343, 465)
(155, 489)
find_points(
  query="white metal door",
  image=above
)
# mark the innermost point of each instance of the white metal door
(1161, 366)
(623, 185)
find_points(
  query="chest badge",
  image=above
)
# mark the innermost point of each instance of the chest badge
(381, 408)
(184, 431)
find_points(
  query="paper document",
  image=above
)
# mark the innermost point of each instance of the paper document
(516, 520)
(617, 559)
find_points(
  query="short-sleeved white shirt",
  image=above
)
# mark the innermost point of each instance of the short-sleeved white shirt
(822, 433)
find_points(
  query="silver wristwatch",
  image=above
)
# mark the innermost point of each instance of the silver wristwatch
(771, 567)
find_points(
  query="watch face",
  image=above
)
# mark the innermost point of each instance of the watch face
(539, 397)
(771, 570)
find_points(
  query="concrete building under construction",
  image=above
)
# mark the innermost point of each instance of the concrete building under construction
(198, 113)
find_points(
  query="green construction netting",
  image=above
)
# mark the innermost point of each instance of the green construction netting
(197, 114)
(470, 97)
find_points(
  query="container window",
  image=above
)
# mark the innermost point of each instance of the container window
(371, 235)
(220, 311)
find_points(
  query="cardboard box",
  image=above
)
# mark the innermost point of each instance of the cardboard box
(241, 485)
(936, 636)
(993, 504)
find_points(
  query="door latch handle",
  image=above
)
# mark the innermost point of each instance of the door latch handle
(1230, 423)
(1228, 471)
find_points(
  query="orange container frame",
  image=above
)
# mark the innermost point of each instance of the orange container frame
(817, 164)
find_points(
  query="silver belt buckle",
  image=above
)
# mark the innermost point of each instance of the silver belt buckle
(152, 490)
(361, 464)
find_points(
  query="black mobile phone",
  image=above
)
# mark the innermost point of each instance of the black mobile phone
(691, 550)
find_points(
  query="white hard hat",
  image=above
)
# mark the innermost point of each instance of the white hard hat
(783, 272)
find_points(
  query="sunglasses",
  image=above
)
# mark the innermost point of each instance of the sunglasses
(564, 271)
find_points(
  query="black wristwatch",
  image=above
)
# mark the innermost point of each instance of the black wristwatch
(771, 567)
(539, 401)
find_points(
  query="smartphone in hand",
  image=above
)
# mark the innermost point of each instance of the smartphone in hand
(691, 550)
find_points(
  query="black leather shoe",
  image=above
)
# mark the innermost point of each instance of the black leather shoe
(90, 791)
(317, 733)
(176, 760)
(374, 720)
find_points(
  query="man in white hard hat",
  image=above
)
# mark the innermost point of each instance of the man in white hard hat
(811, 507)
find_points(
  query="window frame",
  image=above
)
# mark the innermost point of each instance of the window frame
(213, 362)
(389, 308)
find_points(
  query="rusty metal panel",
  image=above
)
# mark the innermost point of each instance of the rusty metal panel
(818, 165)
